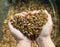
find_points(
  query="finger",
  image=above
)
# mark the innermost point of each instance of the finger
(49, 17)
(11, 18)
(38, 11)
(15, 32)
(20, 14)
(33, 12)
(25, 13)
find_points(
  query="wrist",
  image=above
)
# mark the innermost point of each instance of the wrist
(24, 43)
(45, 42)
(41, 39)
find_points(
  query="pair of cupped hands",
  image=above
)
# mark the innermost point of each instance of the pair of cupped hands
(23, 41)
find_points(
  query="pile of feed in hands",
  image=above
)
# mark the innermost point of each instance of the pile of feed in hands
(30, 25)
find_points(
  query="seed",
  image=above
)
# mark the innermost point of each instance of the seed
(31, 33)
(29, 24)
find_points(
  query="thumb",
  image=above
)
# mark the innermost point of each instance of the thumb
(47, 28)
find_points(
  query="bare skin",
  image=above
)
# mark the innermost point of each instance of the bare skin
(44, 40)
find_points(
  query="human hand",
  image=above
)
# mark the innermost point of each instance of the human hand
(23, 41)
(47, 28)
(44, 39)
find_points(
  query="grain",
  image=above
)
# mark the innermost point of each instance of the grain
(30, 25)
